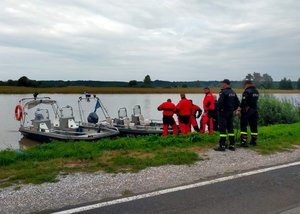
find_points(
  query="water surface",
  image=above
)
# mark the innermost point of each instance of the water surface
(11, 138)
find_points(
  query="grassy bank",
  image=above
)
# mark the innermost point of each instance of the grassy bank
(43, 163)
(117, 90)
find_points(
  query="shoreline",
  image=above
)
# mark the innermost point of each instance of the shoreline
(124, 90)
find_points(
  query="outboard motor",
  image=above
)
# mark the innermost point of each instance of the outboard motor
(93, 118)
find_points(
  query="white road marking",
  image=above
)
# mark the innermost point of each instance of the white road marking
(175, 189)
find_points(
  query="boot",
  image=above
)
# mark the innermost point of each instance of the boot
(196, 128)
(231, 143)
(244, 142)
(222, 145)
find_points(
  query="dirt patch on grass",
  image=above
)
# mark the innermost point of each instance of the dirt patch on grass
(108, 155)
(195, 149)
(75, 163)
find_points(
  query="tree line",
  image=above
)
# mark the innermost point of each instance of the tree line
(262, 81)
(266, 81)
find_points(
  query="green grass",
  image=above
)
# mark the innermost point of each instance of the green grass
(43, 163)
(278, 138)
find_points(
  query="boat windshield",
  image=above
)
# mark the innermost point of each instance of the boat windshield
(36, 109)
(66, 112)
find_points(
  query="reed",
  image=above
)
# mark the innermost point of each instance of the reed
(276, 111)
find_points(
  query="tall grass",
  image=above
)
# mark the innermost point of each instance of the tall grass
(275, 111)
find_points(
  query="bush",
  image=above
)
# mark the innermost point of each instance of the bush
(275, 111)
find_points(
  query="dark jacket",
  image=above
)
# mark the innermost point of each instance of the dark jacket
(250, 98)
(228, 100)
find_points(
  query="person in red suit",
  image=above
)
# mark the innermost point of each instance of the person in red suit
(184, 111)
(168, 109)
(196, 113)
(209, 107)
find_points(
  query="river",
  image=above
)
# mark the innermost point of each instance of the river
(12, 139)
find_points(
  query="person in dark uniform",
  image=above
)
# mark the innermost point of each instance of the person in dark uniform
(228, 102)
(249, 113)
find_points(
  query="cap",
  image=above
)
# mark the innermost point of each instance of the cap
(248, 82)
(227, 81)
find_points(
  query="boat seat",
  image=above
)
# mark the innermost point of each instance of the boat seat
(138, 119)
(142, 120)
(135, 119)
(56, 123)
(147, 122)
(126, 121)
(109, 120)
(72, 124)
(43, 127)
(67, 123)
(45, 124)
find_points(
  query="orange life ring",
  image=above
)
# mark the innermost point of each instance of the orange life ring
(18, 112)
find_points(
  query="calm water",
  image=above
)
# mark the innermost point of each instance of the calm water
(11, 138)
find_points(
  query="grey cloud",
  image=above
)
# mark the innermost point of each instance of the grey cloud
(168, 39)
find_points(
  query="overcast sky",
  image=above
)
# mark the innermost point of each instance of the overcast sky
(167, 39)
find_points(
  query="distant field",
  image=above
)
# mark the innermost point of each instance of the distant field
(118, 90)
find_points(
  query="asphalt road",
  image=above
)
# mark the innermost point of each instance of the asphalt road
(271, 192)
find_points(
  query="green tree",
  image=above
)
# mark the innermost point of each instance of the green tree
(23, 81)
(11, 83)
(285, 84)
(184, 86)
(257, 79)
(267, 81)
(298, 84)
(249, 77)
(132, 83)
(147, 80)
